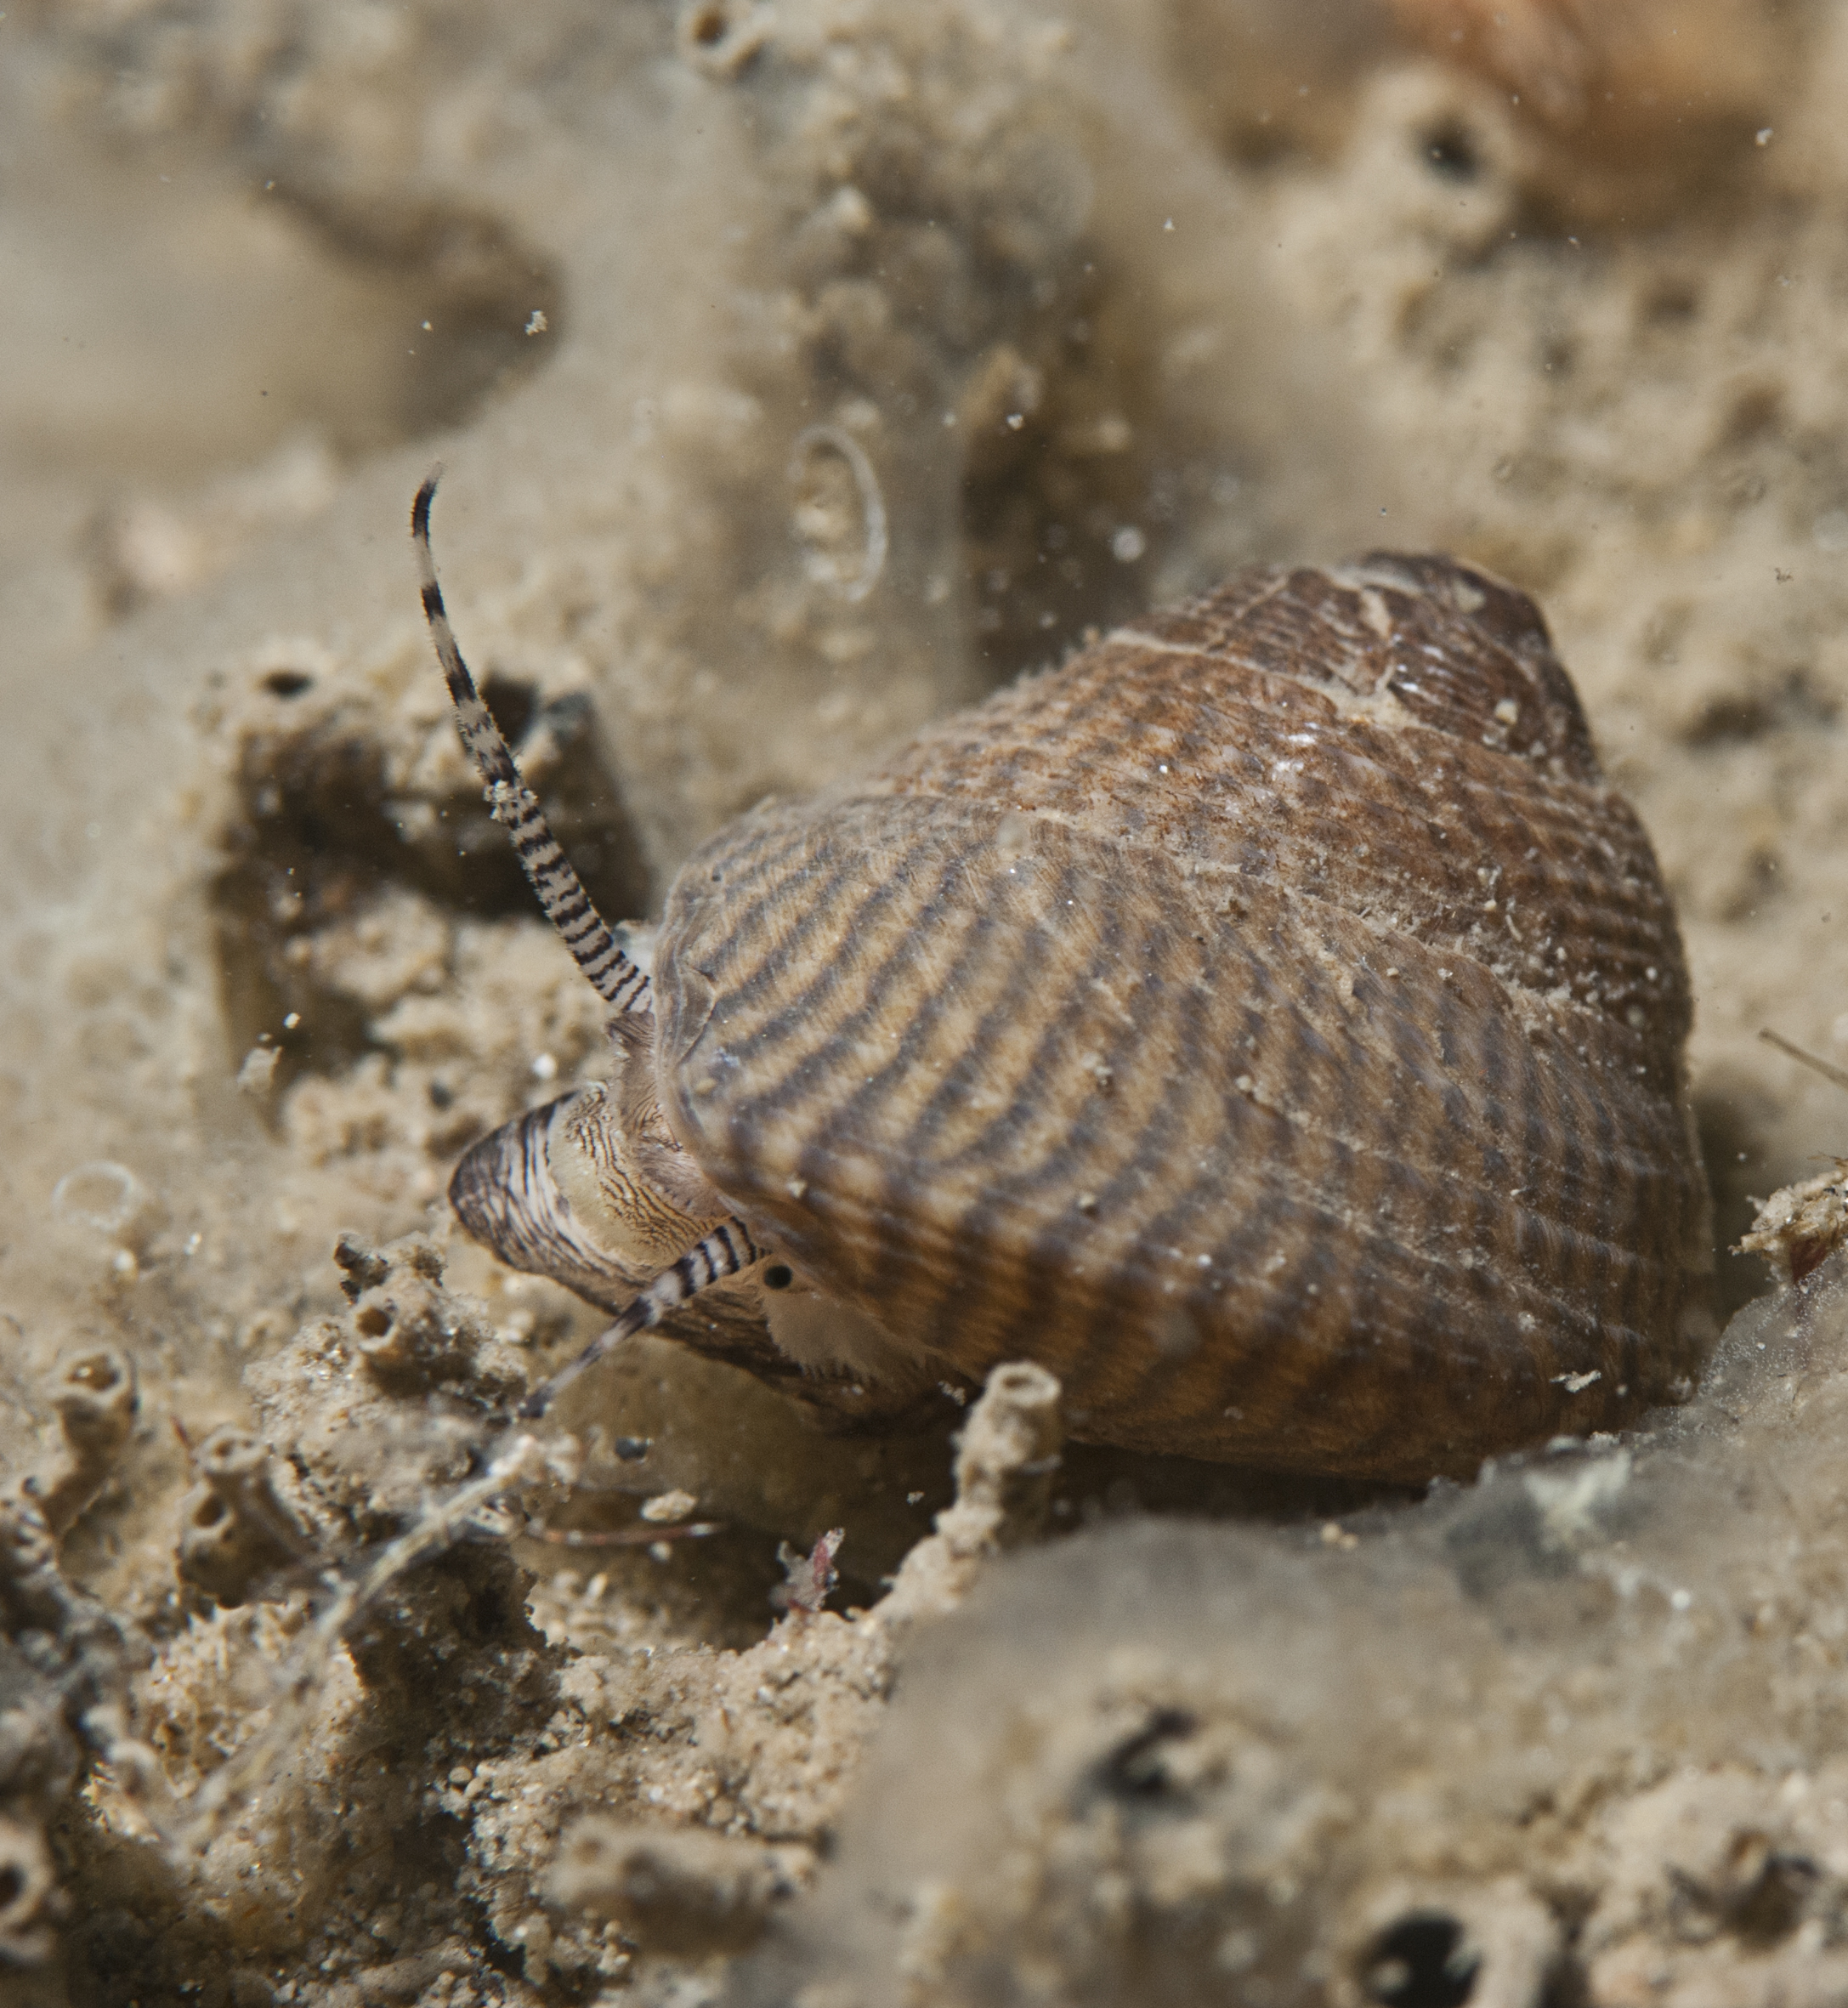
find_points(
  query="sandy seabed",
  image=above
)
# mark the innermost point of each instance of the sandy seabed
(1099, 303)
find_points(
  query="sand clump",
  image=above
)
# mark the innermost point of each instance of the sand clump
(803, 369)
(450, 1748)
(1557, 1736)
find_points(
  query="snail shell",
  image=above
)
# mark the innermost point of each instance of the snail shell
(1271, 1021)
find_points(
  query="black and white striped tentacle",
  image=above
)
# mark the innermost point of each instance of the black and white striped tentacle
(727, 1250)
(616, 979)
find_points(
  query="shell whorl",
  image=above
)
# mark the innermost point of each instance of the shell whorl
(1270, 1020)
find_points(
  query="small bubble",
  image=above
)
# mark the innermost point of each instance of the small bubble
(101, 1195)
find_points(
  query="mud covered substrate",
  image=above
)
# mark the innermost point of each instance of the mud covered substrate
(800, 372)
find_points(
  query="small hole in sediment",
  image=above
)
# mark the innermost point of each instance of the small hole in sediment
(229, 1453)
(1137, 1767)
(1422, 1961)
(287, 682)
(1451, 154)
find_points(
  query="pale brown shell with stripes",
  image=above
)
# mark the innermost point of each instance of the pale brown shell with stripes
(1270, 1020)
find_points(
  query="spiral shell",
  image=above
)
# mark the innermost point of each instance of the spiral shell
(1271, 1021)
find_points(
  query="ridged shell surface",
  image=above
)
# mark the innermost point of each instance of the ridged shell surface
(1270, 1020)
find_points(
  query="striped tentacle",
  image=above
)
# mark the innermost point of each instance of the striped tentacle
(727, 1250)
(568, 907)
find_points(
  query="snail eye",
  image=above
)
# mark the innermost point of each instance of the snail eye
(779, 1276)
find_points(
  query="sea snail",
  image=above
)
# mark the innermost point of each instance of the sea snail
(1270, 1020)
